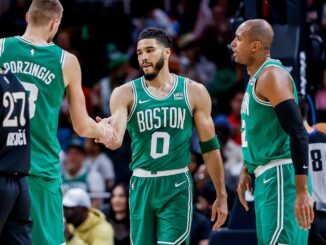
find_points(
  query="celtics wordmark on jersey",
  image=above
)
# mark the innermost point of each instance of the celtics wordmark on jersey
(262, 136)
(39, 68)
(160, 128)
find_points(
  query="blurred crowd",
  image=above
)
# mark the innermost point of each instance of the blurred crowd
(103, 34)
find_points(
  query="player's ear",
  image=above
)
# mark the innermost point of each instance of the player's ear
(26, 17)
(167, 53)
(256, 45)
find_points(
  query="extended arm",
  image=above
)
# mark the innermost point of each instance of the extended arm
(201, 103)
(121, 100)
(82, 123)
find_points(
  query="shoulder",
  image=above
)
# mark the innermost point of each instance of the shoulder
(70, 59)
(125, 90)
(198, 94)
(274, 74)
(196, 87)
(123, 95)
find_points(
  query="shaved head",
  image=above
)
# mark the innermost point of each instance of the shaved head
(259, 30)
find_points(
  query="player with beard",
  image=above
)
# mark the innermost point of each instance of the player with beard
(46, 71)
(159, 110)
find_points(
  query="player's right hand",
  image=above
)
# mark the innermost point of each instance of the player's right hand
(108, 137)
(243, 185)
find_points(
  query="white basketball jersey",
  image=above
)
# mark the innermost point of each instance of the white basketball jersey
(317, 165)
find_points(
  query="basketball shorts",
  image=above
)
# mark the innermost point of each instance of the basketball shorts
(46, 211)
(161, 208)
(275, 194)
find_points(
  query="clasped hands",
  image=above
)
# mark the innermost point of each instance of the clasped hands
(108, 136)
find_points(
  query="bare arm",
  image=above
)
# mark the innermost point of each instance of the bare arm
(201, 103)
(121, 99)
(82, 123)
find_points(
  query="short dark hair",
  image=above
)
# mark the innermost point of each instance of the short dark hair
(303, 105)
(158, 34)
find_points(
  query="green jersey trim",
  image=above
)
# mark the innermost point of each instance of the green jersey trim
(135, 100)
(33, 44)
(186, 82)
(175, 82)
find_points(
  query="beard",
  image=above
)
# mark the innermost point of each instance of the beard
(157, 68)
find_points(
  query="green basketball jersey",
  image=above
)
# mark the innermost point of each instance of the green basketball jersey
(78, 182)
(39, 68)
(262, 136)
(160, 128)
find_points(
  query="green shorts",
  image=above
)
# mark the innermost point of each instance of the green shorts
(161, 209)
(274, 206)
(46, 211)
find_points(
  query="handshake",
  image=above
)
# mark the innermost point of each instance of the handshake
(107, 133)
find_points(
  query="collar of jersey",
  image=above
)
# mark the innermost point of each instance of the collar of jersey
(33, 44)
(175, 81)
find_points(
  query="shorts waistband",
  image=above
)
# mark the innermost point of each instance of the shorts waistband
(138, 172)
(274, 163)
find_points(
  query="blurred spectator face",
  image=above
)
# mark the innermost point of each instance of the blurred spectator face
(236, 103)
(119, 199)
(91, 147)
(75, 215)
(74, 159)
(63, 40)
(121, 72)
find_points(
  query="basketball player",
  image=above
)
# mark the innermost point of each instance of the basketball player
(45, 71)
(274, 141)
(317, 160)
(15, 223)
(158, 110)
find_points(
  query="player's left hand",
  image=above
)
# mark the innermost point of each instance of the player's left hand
(219, 210)
(304, 211)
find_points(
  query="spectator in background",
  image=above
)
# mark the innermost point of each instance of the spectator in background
(234, 117)
(119, 72)
(118, 214)
(231, 153)
(321, 95)
(193, 63)
(200, 229)
(97, 160)
(76, 175)
(85, 225)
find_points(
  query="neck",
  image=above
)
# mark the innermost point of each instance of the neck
(163, 80)
(256, 63)
(307, 126)
(120, 216)
(36, 35)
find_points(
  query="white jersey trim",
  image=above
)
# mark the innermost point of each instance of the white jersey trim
(175, 83)
(135, 100)
(186, 82)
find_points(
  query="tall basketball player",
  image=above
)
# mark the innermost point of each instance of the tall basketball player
(46, 71)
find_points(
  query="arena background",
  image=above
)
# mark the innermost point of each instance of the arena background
(103, 34)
